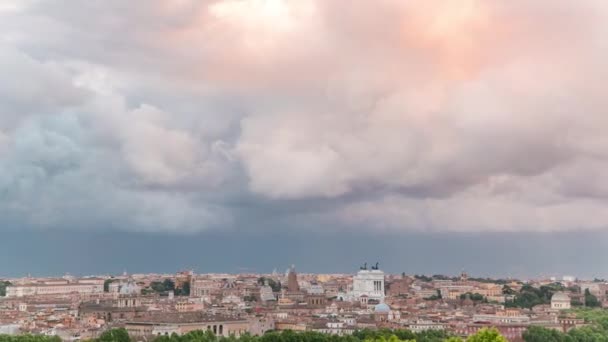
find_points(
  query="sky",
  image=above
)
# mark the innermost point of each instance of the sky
(429, 135)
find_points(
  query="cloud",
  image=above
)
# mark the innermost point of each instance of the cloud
(32, 87)
(186, 116)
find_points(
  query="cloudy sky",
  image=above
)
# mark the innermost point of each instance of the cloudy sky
(422, 123)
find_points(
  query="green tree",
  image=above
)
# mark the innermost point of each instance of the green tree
(529, 297)
(106, 284)
(199, 336)
(274, 285)
(157, 286)
(3, 285)
(588, 334)
(541, 334)
(506, 289)
(453, 339)
(186, 289)
(487, 335)
(590, 300)
(431, 336)
(401, 334)
(115, 335)
(391, 338)
(476, 297)
(169, 285)
(166, 285)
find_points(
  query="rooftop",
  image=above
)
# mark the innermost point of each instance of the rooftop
(184, 318)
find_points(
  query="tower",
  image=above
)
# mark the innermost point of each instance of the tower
(464, 276)
(292, 280)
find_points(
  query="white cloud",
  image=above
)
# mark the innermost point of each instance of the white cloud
(425, 115)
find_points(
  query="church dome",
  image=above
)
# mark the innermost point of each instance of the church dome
(382, 308)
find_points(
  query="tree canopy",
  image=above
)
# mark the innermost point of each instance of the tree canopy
(487, 335)
(115, 335)
(274, 285)
(590, 300)
(597, 331)
(476, 297)
(106, 284)
(530, 296)
(365, 335)
(3, 285)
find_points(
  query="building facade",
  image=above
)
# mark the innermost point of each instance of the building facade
(369, 283)
(167, 324)
(55, 288)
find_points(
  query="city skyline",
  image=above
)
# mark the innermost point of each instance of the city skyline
(186, 306)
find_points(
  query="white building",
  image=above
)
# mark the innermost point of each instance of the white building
(560, 301)
(315, 289)
(130, 288)
(56, 288)
(369, 283)
(334, 328)
(266, 293)
(502, 319)
(425, 325)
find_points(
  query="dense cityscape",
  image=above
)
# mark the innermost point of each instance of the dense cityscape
(368, 304)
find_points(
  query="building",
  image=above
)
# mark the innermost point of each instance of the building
(128, 287)
(369, 283)
(333, 327)
(513, 332)
(293, 288)
(292, 280)
(259, 325)
(183, 323)
(399, 287)
(595, 288)
(426, 293)
(316, 300)
(560, 301)
(315, 289)
(204, 287)
(112, 310)
(383, 313)
(56, 287)
(266, 293)
(501, 318)
(425, 325)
